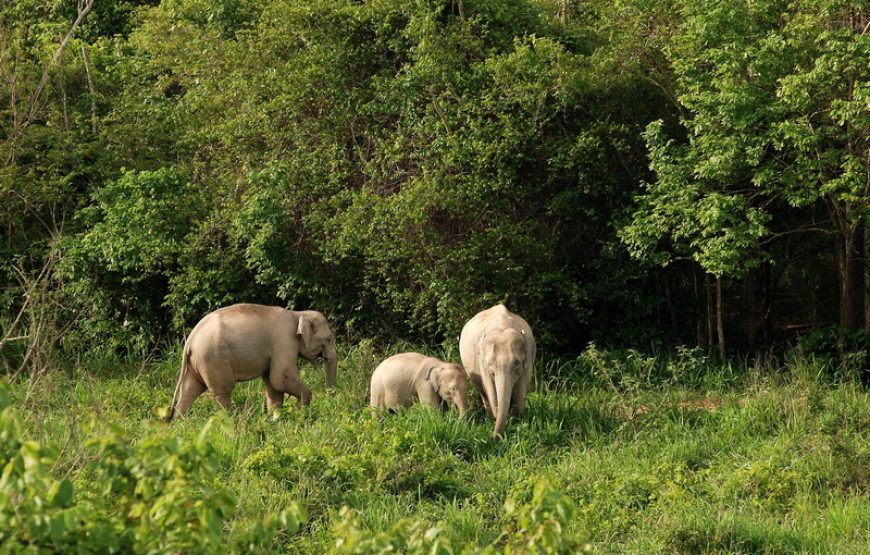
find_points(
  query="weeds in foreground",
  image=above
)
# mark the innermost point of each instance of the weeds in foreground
(749, 463)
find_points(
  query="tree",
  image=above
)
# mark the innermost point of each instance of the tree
(774, 103)
(399, 166)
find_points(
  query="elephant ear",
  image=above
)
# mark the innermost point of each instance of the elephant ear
(305, 328)
(433, 376)
(485, 349)
(530, 345)
(480, 344)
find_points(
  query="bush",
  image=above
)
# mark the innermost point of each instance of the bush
(849, 347)
(161, 495)
(632, 370)
(116, 274)
(540, 526)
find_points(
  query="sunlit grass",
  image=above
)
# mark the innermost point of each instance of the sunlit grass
(661, 454)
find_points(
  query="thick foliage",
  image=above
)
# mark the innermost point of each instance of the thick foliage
(401, 165)
(775, 96)
(539, 527)
(397, 165)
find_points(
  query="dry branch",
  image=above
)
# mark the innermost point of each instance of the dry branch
(91, 91)
(33, 103)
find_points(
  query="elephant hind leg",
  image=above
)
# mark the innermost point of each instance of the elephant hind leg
(274, 398)
(377, 396)
(191, 388)
(223, 398)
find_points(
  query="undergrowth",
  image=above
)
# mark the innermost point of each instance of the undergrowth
(618, 452)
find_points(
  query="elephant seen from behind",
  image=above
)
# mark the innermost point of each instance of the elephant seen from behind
(498, 352)
(246, 341)
(406, 377)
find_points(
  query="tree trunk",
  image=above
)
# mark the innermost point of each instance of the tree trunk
(91, 91)
(709, 305)
(699, 311)
(749, 309)
(766, 302)
(61, 77)
(848, 275)
(671, 313)
(866, 278)
(720, 317)
(563, 13)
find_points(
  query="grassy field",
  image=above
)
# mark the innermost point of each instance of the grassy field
(656, 454)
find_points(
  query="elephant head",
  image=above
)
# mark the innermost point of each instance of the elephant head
(316, 341)
(503, 352)
(450, 383)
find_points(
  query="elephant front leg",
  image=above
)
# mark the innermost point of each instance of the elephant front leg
(288, 381)
(477, 381)
(428, 396)
(486, 407)
(302, 393)
(518, 398)
(491, 402)
(274, 398)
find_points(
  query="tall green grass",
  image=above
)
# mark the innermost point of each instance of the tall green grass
(674, 453)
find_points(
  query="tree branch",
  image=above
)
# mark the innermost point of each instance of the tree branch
(438, 109)
(91, 91)
(83, 11)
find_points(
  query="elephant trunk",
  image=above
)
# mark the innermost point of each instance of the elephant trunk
(503, 387)
(331, 358)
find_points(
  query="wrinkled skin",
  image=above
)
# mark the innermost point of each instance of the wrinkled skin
(406, 377)
(246, 341)
(498, 352)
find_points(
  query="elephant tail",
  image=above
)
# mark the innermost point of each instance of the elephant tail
(185, 366)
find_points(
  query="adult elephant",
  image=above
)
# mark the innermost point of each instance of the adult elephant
(498, 352)
(246, 341)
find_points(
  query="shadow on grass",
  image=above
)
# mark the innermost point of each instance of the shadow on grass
(554, 420)
(738, 537)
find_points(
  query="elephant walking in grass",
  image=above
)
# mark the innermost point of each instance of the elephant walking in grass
(246, 341)
(498, 352)
(402, 378)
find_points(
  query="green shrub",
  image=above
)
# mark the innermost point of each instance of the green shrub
(850, 347)
(116, 274)
(541, 526)
(159, 495)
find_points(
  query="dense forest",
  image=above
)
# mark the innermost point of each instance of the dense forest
(645, 172)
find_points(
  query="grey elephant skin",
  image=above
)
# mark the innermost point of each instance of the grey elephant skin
(246, 341)
(498, 352)
(404, 378)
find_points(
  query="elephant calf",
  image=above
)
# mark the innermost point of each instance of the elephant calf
(247, 341)
(402, 378)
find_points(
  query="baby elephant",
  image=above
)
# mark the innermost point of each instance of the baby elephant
(400, 379)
